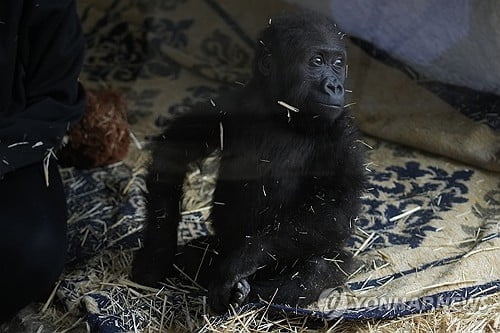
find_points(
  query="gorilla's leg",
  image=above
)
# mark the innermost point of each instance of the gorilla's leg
(304, 282)
(197, 259)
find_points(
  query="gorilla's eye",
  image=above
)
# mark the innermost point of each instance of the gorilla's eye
(317, 60)
(339, 62)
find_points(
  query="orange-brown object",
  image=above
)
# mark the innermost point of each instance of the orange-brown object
(101, 137)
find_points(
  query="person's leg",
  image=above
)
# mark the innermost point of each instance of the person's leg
(32, 236)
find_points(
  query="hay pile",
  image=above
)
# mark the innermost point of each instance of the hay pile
(190, 312)
(181, 306)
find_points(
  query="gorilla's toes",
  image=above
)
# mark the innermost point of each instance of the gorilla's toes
(239, 293)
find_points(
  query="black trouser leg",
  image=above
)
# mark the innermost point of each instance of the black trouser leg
(32, 236)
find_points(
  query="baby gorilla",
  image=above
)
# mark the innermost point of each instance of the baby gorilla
(289, 181)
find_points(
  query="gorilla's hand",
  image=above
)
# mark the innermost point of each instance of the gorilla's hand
(230, 286)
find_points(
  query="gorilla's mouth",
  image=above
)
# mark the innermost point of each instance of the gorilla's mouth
(334, 111)
(331, 106)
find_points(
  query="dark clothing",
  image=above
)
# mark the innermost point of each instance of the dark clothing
(41, 53)
(32, 237)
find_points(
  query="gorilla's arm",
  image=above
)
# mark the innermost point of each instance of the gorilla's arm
(189, 138)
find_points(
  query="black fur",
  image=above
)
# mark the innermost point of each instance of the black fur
(289, 182)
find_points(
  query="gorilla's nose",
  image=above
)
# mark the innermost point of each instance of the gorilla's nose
(333, 87)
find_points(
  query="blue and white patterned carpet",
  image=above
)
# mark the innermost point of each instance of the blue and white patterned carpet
(166, 55)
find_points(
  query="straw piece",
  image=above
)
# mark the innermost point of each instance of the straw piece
(288, 106)
(411, 211)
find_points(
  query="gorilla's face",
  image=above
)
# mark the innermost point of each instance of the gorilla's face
(305, 67)
(326, 69)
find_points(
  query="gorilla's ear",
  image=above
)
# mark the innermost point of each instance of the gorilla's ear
(265, 63)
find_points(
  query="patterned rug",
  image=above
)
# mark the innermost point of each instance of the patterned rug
(427, 237)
